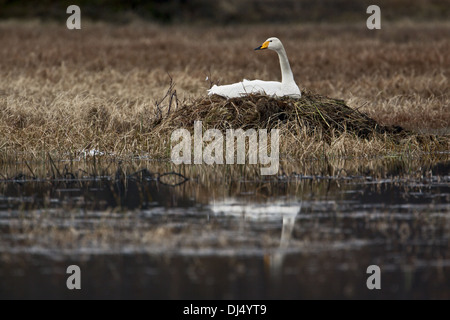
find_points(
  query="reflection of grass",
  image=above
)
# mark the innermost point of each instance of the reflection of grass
(63, 230)
(181, 220)
(209, 180)
(64, 91)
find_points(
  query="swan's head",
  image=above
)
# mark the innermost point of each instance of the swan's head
(272, 44)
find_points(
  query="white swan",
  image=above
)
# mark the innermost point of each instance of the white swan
(287, 86)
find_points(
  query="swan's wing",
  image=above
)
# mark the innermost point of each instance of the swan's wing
(229, 90)
(258, 86)
(246, 87)
(273, 88)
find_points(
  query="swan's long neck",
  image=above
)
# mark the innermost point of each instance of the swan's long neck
(286, 72)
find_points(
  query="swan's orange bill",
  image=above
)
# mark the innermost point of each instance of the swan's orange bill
(263, 46)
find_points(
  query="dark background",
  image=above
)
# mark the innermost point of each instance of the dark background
(228, 11)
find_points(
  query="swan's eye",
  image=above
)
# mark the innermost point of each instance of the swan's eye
(270, 40)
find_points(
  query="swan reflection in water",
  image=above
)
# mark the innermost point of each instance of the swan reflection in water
(273, 211)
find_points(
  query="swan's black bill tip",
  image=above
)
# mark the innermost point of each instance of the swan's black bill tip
(259, 48)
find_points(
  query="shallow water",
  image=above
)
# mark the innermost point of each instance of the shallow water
(295, 237)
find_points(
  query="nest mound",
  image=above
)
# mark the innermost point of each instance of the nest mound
(312, 111)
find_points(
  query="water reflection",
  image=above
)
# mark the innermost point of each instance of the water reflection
(289, 237)
(273, 211)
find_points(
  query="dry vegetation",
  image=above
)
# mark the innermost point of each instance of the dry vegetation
(64, 91)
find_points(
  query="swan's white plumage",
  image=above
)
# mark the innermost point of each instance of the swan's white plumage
(246, 87)
(287, 86)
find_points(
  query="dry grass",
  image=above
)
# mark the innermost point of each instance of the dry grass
(315, 113)
(63, 91)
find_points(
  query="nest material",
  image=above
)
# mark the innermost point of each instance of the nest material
(315, 112)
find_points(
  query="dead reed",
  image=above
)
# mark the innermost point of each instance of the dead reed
(104, 88)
